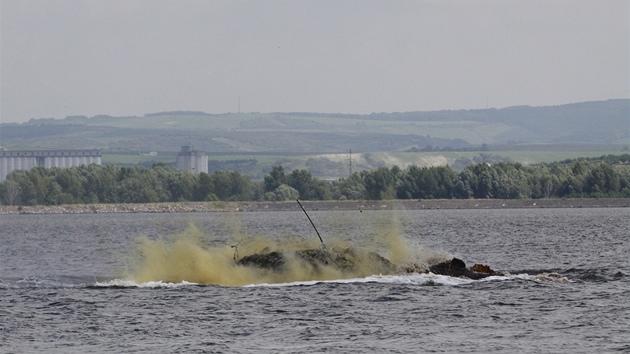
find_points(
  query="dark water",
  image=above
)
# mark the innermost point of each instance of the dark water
(66, 285)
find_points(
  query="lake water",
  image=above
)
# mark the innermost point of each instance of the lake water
(167, 283)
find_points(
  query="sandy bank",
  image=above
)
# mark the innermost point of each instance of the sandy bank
(186, 207)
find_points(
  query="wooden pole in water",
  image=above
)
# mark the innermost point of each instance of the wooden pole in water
(309, 219)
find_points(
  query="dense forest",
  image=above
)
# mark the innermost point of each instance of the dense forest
(608, 176)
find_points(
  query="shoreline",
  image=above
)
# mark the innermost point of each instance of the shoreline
(205, 207)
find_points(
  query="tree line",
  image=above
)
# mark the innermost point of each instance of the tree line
(608, 176)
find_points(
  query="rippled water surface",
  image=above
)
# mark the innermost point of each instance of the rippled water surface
(70, 283)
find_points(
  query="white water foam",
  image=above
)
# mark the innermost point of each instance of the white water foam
(411, 279)
(543, 277)
(124, 283)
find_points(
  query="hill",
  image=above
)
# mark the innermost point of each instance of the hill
(244, 137)
(601, 122)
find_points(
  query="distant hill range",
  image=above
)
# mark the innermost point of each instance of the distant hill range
(577, 124)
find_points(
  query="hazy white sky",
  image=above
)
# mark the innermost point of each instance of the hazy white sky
(131, 57)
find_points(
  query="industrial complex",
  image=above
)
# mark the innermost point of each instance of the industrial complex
(192, 160)
(11, 160)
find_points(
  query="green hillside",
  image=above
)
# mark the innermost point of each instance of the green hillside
(321, 142)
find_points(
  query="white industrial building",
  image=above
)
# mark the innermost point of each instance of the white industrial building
(27, 159)
(192, 160)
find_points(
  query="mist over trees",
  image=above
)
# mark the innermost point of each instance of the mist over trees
(608, 176)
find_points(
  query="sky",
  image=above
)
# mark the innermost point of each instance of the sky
(61, 58)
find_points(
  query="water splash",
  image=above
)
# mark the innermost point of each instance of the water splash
(187, 257)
